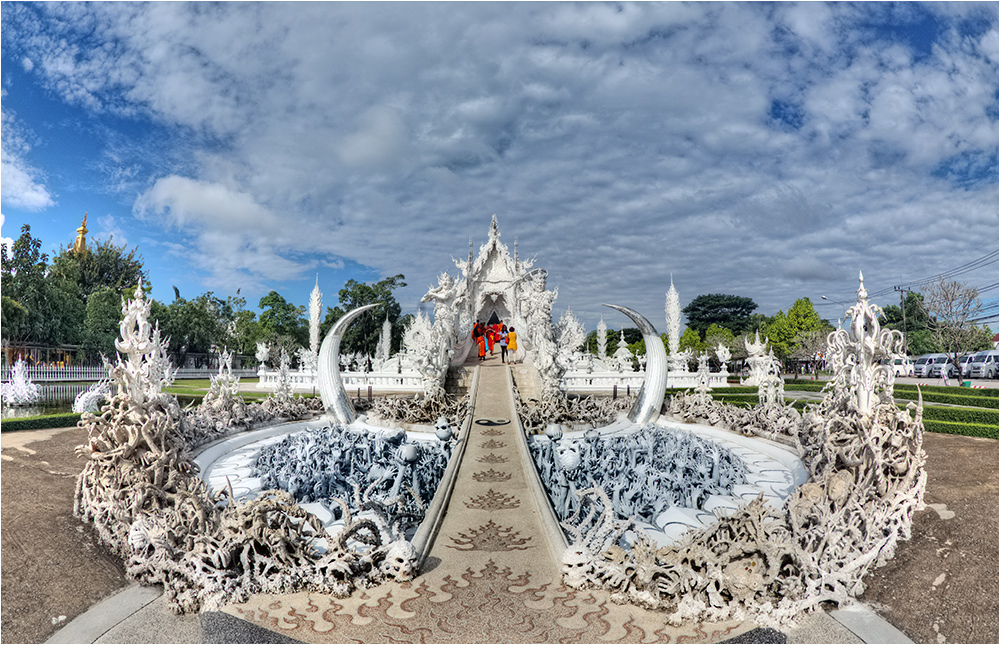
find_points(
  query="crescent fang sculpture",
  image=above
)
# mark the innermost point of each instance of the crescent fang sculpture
(331, 388)
(647, 405)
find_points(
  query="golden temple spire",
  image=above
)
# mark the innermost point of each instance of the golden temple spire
(80, 245)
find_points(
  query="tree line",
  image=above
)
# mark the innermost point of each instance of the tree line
(941, 319)
(74, 302)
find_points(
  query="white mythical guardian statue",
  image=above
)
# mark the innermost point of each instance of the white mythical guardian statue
(723, 354)
(448, 298)
(423, 344)
(570, 335)
(538, 304)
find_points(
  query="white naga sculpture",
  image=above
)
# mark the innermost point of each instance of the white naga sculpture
(865, 460)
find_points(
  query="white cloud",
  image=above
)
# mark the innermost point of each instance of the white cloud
(619, 143)
(21, 186)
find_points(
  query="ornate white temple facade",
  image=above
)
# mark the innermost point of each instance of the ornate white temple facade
(494, 281)
(493, 286)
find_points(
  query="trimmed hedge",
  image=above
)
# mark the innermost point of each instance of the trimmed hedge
(986, 393)
(966, 429)
(962, 415)
(40, 422)
(953, 399)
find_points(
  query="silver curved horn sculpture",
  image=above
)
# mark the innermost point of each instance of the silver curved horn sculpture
(654, 386)
(331, 388)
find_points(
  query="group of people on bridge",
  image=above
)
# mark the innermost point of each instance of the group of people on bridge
(490, 336)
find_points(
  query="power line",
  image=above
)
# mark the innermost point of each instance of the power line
(968, 267)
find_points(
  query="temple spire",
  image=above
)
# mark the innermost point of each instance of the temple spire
(494, 229)
(80, 245)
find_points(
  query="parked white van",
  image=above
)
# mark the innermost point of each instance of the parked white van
(986, 364)
(902, 367)
(966, 363)
(922, 368)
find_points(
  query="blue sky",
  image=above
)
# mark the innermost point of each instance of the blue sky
(763, 150)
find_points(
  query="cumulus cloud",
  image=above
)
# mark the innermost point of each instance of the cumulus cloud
(22, 186)
(619, 143)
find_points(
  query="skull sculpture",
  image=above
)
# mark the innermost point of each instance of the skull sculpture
(443, 429)
(577, 567)
(400, 563)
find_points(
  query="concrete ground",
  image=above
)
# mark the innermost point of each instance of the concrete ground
(942, 585)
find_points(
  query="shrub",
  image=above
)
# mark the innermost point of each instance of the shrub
(40, 422)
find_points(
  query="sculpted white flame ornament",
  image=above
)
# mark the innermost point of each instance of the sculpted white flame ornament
(862, 357)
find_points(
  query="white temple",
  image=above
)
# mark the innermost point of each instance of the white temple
(492, 286)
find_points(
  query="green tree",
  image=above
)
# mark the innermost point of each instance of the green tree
(691, 340)
(103, 264)
(244, 331)
(44, 309)
(730, 312)
(198, 326)
(799, 327)
(281, 318)
(363, 334)
(100, 324)
(780, 333)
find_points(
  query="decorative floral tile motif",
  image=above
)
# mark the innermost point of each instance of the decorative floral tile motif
(493, 501)
(490, 537)
(492, 444)
(492, 459)
(491, 476)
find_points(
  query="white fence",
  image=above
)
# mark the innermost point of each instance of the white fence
(630, 382)
(43, 373)
(378, 381)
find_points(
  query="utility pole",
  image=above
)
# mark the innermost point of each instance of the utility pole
(902, 305)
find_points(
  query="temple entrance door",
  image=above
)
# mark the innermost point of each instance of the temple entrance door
(494, 311)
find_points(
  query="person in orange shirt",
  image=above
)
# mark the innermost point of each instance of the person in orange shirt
(481, 342)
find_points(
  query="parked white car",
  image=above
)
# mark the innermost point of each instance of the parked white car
(985, 364)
